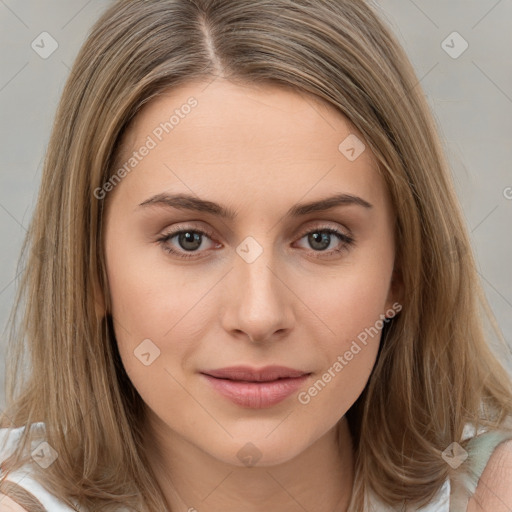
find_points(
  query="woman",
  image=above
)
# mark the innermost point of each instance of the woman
(249, 285)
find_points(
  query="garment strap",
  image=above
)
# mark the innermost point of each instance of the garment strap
(21, 496)
(479, 448)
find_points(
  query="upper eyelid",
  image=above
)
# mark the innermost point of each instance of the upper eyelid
(311, 225)
(324, 225)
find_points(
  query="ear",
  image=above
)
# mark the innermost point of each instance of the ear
(396, 289)
(99, 299)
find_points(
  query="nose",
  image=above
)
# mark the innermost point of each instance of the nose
(258, 303)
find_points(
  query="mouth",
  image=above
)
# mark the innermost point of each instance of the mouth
(256, 388)
(248, 374)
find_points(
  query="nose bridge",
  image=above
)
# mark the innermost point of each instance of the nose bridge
(259, 304)
(255, 269)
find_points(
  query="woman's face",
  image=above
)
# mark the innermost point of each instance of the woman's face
(269, 283)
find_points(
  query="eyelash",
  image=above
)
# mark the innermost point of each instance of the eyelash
(347, 241)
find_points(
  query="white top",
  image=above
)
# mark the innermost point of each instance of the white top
(9, 439)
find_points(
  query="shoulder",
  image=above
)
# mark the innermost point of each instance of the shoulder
(9, 505)
(494, 490)
(20, 491)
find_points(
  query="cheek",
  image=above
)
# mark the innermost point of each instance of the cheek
(348, 356)
(350, 301)
(351, 307)
(149, 311)
(160, 313)
(335, 388)
(149, 296)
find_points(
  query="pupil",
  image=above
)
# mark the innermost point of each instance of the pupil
(325, 237)
(193, 238)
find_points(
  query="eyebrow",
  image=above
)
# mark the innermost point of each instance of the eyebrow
(191, 203)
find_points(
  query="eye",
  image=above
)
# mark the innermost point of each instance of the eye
(190, 241)
(323, 236)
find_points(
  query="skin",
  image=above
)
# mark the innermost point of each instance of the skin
(258, 151)
(9, 505)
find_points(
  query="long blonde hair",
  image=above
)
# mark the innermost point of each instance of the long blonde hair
(435, 370)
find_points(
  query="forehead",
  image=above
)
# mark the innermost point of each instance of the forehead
(261, 112)
(247, 140)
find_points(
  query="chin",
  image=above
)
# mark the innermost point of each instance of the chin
(262, 452)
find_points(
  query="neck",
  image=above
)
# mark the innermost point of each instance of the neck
(320, 478)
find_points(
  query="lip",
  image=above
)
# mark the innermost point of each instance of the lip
(246, 373)
(256, 388)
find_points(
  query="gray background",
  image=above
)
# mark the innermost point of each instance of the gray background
(471, 97)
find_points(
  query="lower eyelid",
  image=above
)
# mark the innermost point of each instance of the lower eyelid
(341, 236)
(345, 240)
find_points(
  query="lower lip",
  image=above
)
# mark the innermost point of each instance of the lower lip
(256, 395)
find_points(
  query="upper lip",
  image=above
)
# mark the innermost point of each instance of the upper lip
(246, 373)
